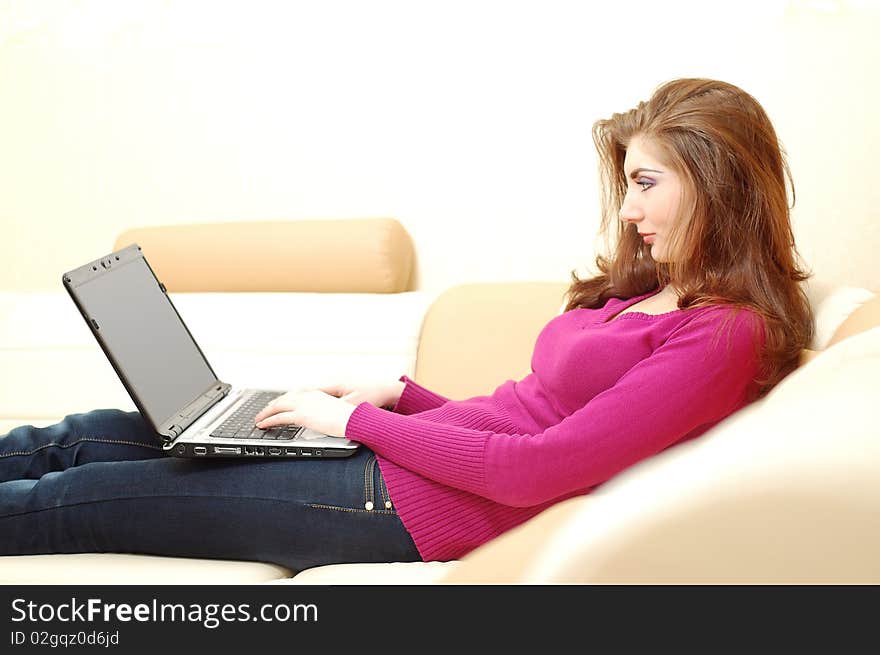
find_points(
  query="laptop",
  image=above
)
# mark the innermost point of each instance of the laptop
(168, 376)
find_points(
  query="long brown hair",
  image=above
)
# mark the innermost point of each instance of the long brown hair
(732, 239)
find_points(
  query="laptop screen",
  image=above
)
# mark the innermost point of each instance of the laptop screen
(146, 338)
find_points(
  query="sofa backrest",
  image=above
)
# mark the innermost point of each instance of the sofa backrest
(477, 336)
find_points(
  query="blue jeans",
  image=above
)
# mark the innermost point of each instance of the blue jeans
(100, 482)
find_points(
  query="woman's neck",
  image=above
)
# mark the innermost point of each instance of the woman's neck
(669, 291)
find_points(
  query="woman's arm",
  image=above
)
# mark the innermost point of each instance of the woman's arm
(688, 383)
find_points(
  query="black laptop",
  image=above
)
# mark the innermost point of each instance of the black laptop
(167, 375)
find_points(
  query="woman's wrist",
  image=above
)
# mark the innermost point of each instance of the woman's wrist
(395, 392)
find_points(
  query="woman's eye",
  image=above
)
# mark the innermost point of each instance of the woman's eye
(642, 184)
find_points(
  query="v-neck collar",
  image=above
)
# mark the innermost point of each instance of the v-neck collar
(614, 312)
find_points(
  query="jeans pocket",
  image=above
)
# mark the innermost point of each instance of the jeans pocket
(373, 497)
(376, 496)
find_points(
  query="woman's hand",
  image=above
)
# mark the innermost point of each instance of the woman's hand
(379, 395)
(311, 408)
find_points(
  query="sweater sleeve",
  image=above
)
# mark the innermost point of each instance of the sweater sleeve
(693, 379)
(415, 398)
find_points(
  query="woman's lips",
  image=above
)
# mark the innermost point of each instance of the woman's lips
(649, 238)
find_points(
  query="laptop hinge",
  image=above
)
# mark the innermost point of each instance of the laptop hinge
(175, 425)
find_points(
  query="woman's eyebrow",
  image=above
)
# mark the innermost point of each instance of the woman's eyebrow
(639, 170)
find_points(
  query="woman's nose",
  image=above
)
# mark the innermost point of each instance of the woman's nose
(628, 213)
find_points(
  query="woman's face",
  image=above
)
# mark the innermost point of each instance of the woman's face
(652, 195)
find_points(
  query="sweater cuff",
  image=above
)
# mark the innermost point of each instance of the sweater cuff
(447, 454)
(415, 398)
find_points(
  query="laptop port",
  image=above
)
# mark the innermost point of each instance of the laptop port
(274, 451)
(227, 450)
(200, 450)
(307, 452)
(291, 451)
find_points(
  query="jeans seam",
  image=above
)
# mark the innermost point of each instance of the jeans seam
(386, 497)
(69, 445)
(349, 509)
(148, 498)
(368, 480)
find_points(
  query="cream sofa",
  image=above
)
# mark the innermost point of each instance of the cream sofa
(786, 490)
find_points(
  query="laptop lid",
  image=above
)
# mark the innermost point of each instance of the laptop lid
(158, 361)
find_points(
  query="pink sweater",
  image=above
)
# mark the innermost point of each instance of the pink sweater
(601, 396)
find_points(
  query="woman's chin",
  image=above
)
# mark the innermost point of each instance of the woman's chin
(656, 253)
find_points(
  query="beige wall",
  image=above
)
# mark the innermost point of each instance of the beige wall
(468, 121)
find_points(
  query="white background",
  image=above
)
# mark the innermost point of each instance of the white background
(468, 121)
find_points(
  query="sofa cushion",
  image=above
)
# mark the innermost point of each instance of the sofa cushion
(117, 568)
(834, 309)
(396, 573)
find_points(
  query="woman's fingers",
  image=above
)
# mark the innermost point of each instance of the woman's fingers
(333, 390)
(268, 410)
(281, 418)
(263, 413)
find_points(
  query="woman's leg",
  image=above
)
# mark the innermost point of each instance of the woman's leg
(102, 435)
(296, 513)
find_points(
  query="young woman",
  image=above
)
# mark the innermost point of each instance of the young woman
(696, 312)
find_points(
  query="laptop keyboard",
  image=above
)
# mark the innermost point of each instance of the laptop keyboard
(240, 425)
